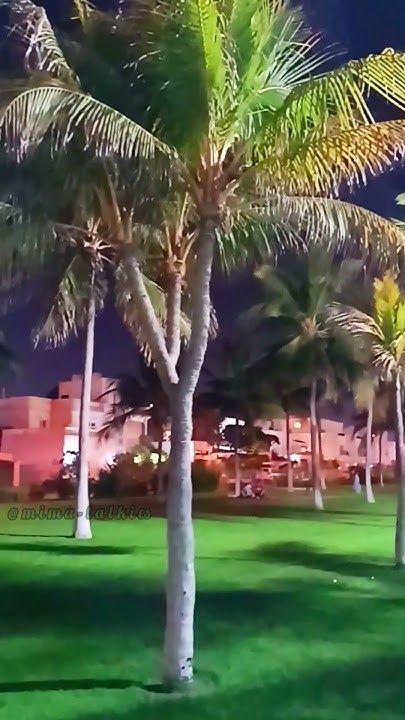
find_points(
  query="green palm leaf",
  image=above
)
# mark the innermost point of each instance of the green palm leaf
(340, 95)
(33, 114)
(323, 164)
(335, 222)
(68, 296)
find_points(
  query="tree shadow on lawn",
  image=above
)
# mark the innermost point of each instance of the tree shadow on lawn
(75, 548)
(307, 556)
(353, 690)
(35, 535)
(113, 610)
(234, 508)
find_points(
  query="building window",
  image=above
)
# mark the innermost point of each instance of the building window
(43, 423)
(93, 425)
(64, 397)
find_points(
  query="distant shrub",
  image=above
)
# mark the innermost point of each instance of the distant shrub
(50, 486)
(205, 478)
(107, 484)
(65, 487)
(36, 492)
(8, 494)
(129, 474)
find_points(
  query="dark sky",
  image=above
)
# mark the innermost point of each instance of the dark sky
(358, 27)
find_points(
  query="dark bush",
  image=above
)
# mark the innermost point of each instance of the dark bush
(36, 492)
(64, 487)
(205, 479)
(107, 485)
(50, 486)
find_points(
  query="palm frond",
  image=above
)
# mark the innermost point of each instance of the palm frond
(43, 52)
(68, 297)
(129, 309)
(322, 165)
(341, 225)
(273, 53)
(62, 112)
(341, 95)
(355, 322)
(84, 10)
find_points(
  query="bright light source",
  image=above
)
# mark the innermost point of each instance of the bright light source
(294, 457)
(297, 425)
(69, 457)
(137, 459)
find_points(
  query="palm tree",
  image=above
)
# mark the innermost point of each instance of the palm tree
(72, 257)
(267, 140)
(383, 415)
(383, 335)
(64, 264)
(294, 312)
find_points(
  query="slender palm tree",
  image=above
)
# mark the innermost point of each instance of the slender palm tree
(383, 334)
(383, 420)
(63, 263)
(294, 310)
(266, 142)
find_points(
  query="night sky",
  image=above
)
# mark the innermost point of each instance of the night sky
(357, 27)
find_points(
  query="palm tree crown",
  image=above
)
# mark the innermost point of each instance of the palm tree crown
(267, 132)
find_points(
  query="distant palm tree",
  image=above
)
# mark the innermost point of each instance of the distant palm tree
(292, 320)
(383, 419)
(382, 334)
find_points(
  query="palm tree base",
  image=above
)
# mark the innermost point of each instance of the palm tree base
(318, 499)
(83, 533)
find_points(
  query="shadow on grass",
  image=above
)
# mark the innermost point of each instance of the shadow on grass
(309, 557)
(353, 690)
(85, 684)
(35, 535)
(76, 547)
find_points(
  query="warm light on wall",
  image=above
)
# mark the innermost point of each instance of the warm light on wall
(297, 425)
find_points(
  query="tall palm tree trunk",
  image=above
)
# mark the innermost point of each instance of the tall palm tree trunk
(290, 478)
(82, 529)
(380, 465)
(369, 486)
(400, 474)
(237, 460)
(321, 459)
(180, 591)
(160, 467)
(315, 469)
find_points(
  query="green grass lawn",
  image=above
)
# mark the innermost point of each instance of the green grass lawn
(300, 616)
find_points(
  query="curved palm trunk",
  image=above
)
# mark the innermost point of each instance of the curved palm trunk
(237, 460)
(82, 529)
(290, 478)
(400, 474)
(369, 486)
(380, 466)
(180, 592)
(315, 469)
(321, 460)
